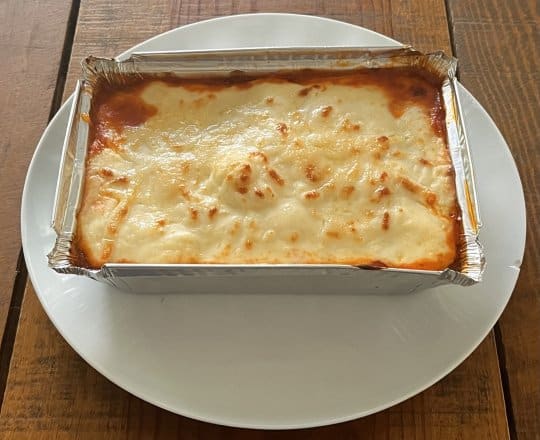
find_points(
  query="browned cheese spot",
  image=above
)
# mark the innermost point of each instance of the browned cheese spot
(193, 213)
(425, 162)
(311, 195)
(105, 172)
(212, 212)
(259, 193)
(305, 91)
(409, 185)
(346, 191)
(161, 222)
(259, 155)
(245, 173)
(311, 173)
(123, 212)
(383, 142)
(384, 176)
(294, 237)
(347, 125)
(211, 96)
(85, 117)
(386, 221)
(326, 111)
(380, 192)
(243, 178)
(269, 100)
(248, 245)
(282, 128)
(431, 198)
(274, 175)
(332, 234)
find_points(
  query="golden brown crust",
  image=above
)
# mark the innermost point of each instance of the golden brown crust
(118, 112)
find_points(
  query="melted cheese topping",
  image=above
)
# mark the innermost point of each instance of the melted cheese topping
(268, 171)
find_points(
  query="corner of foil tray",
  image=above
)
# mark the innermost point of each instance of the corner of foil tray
(443, 63)
(108, 69)
(470, 274)
(59, 259)
(455, 277)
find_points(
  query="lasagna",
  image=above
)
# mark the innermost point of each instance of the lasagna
(310, 167)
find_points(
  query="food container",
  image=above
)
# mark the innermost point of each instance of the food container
(316, 278)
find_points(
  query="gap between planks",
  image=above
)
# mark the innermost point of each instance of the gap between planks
(14, 311)
(505, 382)
(499, 345)
(19, 285)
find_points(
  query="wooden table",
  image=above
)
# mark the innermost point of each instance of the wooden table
(49, 392)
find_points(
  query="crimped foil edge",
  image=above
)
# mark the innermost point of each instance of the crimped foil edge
(260, 60)
(70, 183)
(472, 261)
(60, 258)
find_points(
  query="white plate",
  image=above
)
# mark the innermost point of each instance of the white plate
(279, 360)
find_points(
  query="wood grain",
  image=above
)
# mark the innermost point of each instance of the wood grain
(105, 28)
(52, 393)
(31, 40)
(497, 44)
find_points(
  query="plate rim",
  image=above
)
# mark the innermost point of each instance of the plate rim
(201, 417)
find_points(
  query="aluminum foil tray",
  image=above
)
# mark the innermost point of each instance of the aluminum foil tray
(315, 278)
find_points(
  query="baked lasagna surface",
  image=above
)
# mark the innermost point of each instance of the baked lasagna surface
(308, 167)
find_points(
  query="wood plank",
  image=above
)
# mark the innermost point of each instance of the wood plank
(95, 35)
(497, 44)
(31, 39)
(51, 393)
